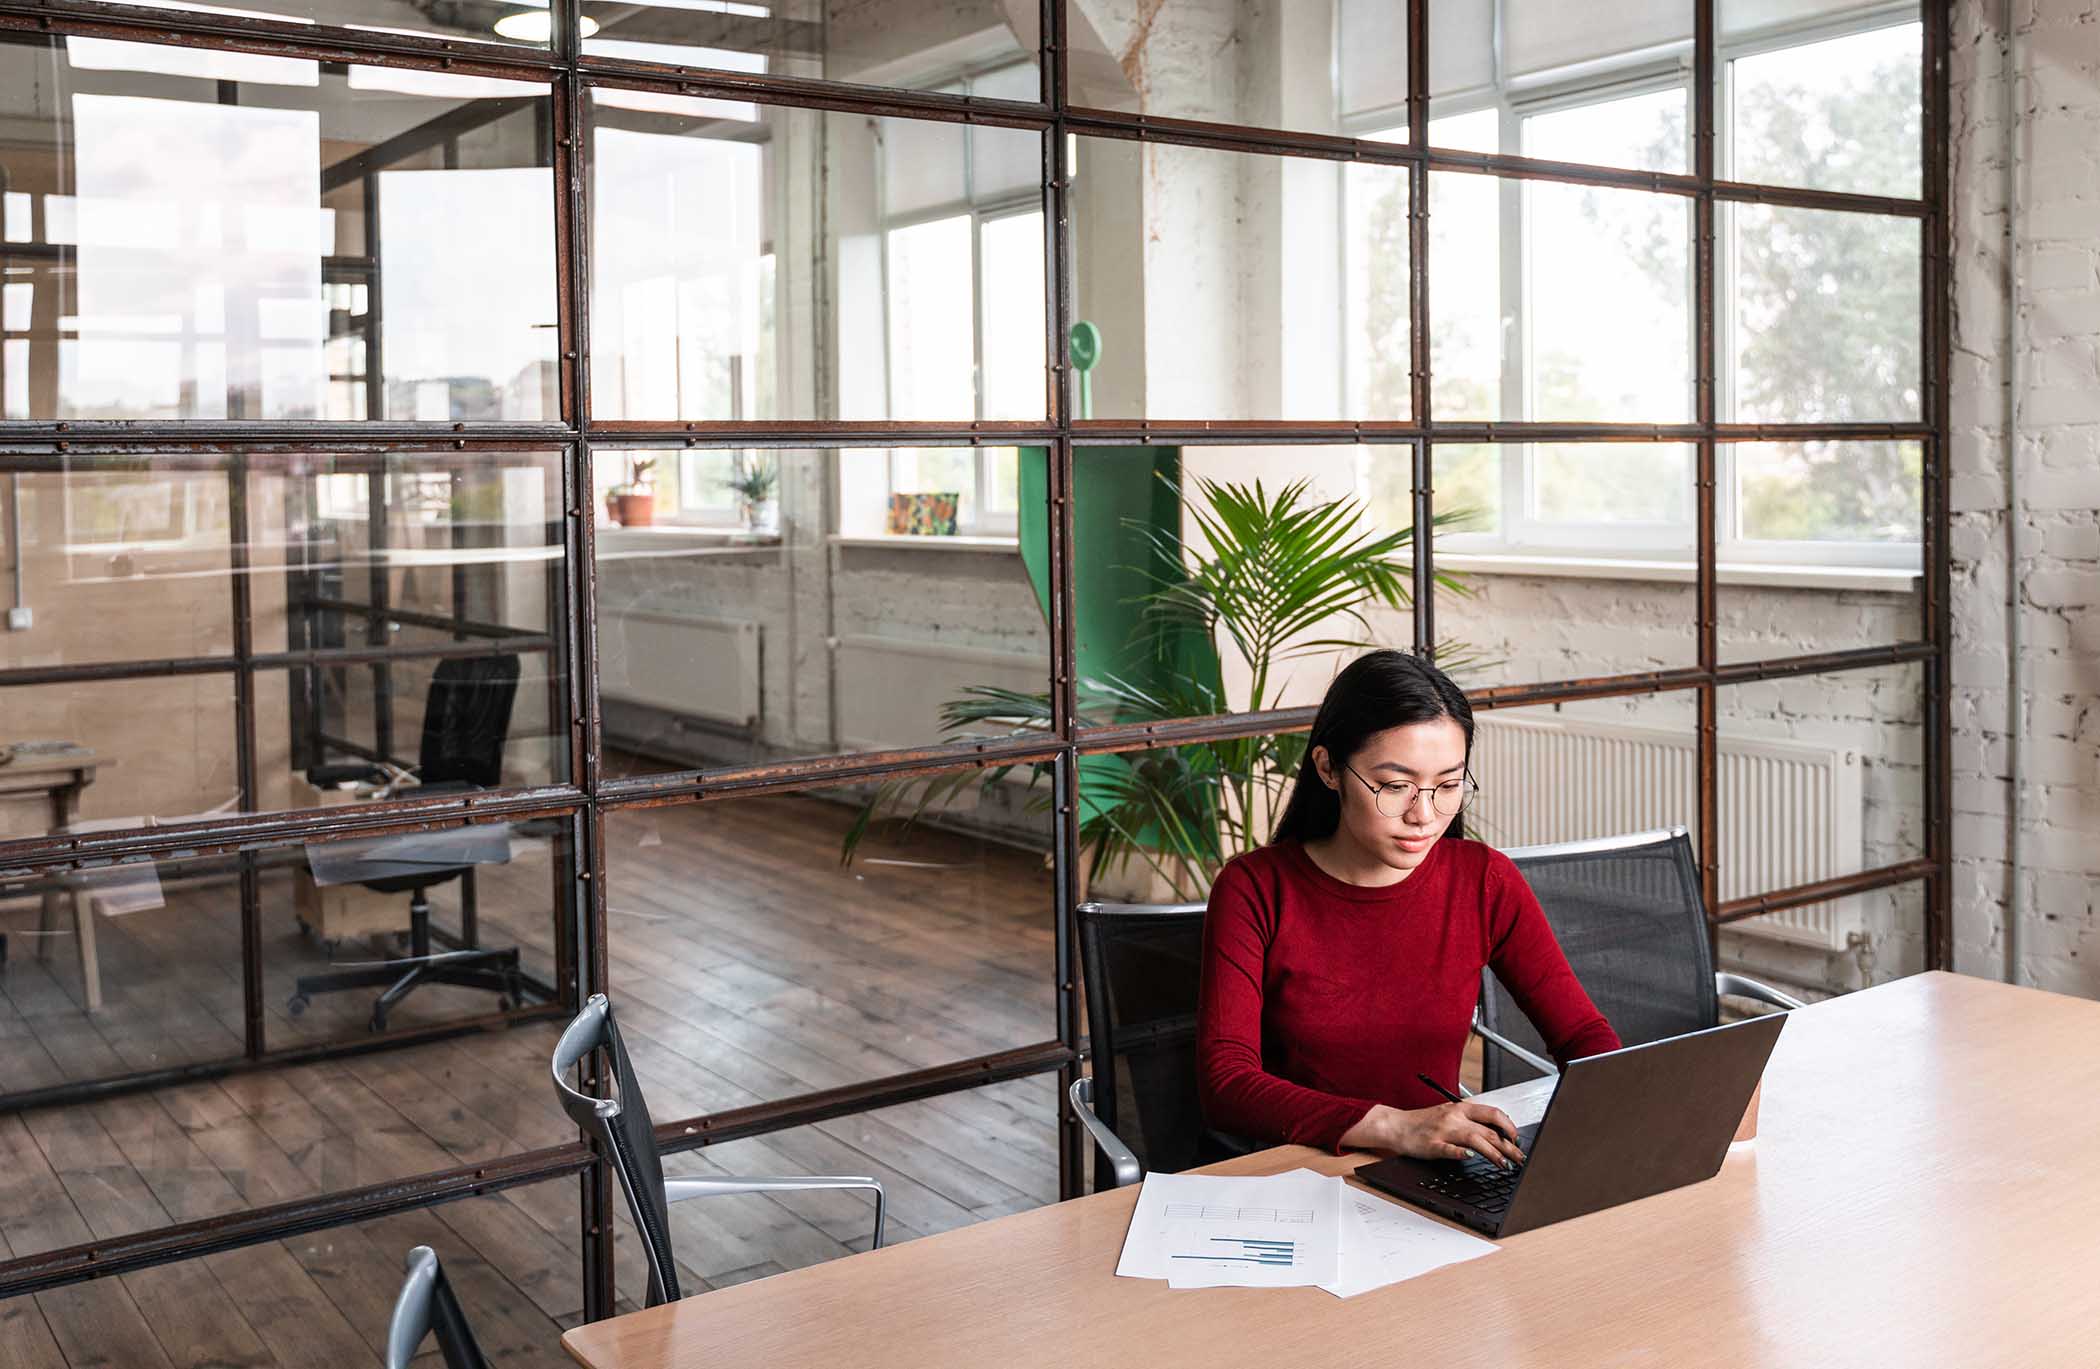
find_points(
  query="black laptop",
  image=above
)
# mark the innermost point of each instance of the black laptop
(1620, 1126)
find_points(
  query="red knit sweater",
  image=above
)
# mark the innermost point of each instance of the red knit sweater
(1322, 998)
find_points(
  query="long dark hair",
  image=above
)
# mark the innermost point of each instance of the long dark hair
(1376, 691)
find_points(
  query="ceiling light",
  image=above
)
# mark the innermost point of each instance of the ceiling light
(536, 25)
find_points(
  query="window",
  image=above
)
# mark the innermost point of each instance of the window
(1565, 303)
(964, 299)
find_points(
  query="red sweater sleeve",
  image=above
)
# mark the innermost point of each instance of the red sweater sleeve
(1238, 1095)
(1530, 964)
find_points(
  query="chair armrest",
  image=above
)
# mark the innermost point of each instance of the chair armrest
(678, 1190)
(1742, 986)
(1537, 1062)
(1128, 1170)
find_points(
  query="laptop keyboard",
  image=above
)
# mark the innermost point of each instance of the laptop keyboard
(1478, 1183)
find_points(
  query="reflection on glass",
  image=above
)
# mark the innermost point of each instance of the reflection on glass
(1213, 281)
(982, 47)
(701, 241)
(1625, 484)
(712, 653)
(1827, 316)
(113, 754)
(190, 253)
(1836, 113)
(1850, 492)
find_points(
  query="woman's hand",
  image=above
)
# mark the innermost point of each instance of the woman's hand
(1448, 1131)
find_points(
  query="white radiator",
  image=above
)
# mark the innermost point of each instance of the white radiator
(701, 667)
(890, 689)
(1790, 812)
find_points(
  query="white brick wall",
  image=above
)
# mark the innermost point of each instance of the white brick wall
(2058, 341)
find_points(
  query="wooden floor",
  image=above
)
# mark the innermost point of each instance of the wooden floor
(746, 965)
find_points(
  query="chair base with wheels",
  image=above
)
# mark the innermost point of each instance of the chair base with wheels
(494, 970)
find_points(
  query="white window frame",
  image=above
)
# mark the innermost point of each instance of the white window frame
(1521, 531)
(984, 521)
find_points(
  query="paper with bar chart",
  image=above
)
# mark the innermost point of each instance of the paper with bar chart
(1208, 1231)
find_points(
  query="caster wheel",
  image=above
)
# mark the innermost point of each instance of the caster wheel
(298, 1004)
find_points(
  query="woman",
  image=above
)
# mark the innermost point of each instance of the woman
(1344, 958)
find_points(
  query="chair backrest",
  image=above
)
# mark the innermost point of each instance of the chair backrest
(426, 1305)
(621, 1124)
(1628, 914)
(466, 718)
(1143, 964)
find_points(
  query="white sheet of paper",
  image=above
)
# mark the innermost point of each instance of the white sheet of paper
(1211, 1231)
(1384, 1242)
(1525, 1103)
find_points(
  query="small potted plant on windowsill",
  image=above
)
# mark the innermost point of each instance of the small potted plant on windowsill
(754, 481)
(632, 504)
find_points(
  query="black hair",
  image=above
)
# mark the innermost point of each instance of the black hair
(1376, 691)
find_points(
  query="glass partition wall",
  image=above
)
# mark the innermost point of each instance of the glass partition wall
(748, 498)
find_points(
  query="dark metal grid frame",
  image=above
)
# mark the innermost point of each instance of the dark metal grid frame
(591, 797)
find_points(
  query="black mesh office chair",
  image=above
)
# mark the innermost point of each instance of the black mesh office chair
(424, 1307)
(1142, 968)
(466, 719)
(1628, 913)
(621, 1124)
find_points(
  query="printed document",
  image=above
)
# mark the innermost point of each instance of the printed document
(1384, 1242)
(1211, 1231)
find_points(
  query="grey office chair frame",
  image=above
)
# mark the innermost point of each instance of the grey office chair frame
(1725, 982)
(594, 1029)
(1124, 1161)
(426, 1304)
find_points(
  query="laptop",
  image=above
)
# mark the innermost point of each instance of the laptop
(1620, 1126)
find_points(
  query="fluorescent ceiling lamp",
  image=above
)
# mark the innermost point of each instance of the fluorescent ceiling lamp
(536, 25)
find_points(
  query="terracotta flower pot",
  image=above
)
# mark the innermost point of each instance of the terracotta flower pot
(636, 510)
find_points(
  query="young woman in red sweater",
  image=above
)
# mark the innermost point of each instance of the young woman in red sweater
(1344, 958)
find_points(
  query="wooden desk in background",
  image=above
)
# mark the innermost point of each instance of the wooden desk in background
(1921, 1192)
(54, 771)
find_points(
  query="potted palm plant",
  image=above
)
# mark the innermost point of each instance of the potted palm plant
(1272, 572)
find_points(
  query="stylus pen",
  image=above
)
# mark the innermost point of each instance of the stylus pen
(1439, 1088)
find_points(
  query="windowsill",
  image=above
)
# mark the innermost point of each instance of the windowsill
(1884, 579)
(897, 541)
(680, 537)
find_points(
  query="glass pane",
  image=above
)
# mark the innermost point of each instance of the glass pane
(980, 46)
(1229, 260)
(944, 1162)
(513, 1258)
(340, 930)
(1646, 131)
(297, 218)
(1825, 552)
(1608, 303)
(1827, 319)
(118, 560)
(846, 609)
(1588, 83)
(1474, 286)
(1823, 775)
(117, 753)
(932, 306)
(1204, 584)
(1579, 771)
(1834, 112)
(762, 948)
(1571, 560)
(116, 970)
(486, 21)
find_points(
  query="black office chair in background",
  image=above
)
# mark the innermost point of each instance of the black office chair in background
(426, 1305)
(621, 1124)
(466, 719)
(1628, 913)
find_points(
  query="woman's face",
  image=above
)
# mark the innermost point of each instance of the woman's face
(1421, 754)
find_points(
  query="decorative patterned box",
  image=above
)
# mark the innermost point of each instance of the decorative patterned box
(924, 515)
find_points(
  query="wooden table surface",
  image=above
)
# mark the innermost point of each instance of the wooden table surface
(1924, 1189)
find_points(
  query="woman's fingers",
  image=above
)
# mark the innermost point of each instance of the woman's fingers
(1491, 1147)
(1491, 1116)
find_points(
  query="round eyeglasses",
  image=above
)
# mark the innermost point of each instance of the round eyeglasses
(1395, 799)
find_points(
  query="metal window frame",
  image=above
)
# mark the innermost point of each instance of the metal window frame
(591, 796)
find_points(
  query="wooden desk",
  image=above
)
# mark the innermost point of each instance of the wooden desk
(56, 772)
(1922, 1191)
